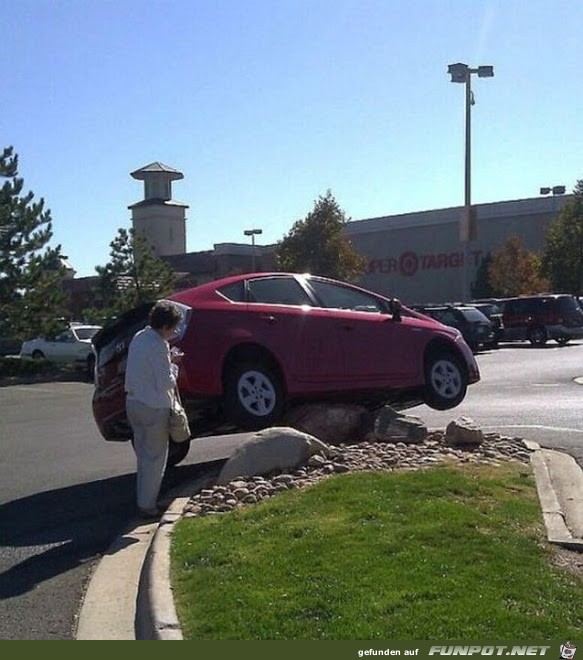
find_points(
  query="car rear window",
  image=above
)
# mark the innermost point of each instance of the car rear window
(86, 333)
(568, 304)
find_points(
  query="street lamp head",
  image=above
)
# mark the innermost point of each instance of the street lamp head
(458, 72)
(252, 232)
(556, 190)
(485, 71)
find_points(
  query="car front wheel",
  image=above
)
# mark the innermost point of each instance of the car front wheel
(446, 381)
(37, 355)
(254, 396)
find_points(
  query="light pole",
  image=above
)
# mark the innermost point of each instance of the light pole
(253, 233)
(462, 73)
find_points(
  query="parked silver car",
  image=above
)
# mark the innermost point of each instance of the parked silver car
(73, 346)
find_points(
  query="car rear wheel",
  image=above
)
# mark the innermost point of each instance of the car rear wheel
(538, 336)
(562, 341)
(254, 396)
(176, 451)
(90, 366)
(37, 355)
(446, 381)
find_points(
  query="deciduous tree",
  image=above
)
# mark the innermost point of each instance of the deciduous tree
(515, 271)
(562, 258)
(318, 244)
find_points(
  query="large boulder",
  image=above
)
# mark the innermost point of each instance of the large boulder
(270, 451)
(463, 432)
(333, 423)
(392, 426)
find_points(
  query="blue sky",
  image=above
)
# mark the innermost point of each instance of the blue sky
(266, 104)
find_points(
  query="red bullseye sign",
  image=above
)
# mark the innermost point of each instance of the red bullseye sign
(408, 263)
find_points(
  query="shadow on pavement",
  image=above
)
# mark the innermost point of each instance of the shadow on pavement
(61, 529)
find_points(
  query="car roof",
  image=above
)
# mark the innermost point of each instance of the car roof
(207, 291)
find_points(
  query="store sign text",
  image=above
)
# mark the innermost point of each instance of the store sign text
(408, 263)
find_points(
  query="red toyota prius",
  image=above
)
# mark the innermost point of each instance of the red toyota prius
(256, 344)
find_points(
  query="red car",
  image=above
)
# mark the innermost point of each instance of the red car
(256, 344)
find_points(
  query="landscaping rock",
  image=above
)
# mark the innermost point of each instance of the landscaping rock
(463, 432)
(392, 426)
(270, 451)
(331, 423)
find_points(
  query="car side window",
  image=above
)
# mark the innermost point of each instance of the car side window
(66, 336)
(277, 291)
(335, 296)
(234, 292)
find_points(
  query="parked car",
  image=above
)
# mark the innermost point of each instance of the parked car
(476, 328)
(543, 317)
(257, 344)
(493, 311)
(9, 346)
(73, 346)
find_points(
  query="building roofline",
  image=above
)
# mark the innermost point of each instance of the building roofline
(487, 210)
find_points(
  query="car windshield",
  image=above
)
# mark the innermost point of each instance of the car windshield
(488, 310)
(86, 333)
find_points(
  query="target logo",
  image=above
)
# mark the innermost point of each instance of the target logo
(408, 263)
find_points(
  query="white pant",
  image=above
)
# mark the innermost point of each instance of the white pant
(151, 432)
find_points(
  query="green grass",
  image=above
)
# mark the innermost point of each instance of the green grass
(446, 553)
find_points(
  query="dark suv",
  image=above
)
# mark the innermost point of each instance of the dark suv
(494, 312)
(540, 318)
(475, 327)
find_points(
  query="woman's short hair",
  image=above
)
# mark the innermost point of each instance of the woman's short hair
(164, 315)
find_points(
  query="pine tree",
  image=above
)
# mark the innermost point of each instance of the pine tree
(31, 296)
(318, 245)
(562, 259)
(134, 275)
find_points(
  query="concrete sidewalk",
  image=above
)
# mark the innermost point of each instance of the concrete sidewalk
(130, 596)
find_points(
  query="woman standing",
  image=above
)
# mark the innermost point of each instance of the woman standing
(150, 380)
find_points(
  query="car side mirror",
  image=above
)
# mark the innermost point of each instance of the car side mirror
(395, 309)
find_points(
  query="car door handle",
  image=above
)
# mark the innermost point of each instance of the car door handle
(268, 318)
(348, 327)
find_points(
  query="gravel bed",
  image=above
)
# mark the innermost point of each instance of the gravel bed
(365, 456)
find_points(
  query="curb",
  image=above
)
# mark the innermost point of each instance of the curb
(138, 604)
(156, 617)
(563, 510)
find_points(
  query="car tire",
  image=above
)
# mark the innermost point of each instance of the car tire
(177, 452)
(37, 355)
(562, 341)
(446, 381)
(90, 364)
(254, 396)
(538, 336)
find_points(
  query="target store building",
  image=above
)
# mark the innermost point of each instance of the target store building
(419, 258)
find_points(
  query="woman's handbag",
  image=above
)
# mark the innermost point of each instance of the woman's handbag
(179, 427)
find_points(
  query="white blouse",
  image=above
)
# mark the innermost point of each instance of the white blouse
(150, 376)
